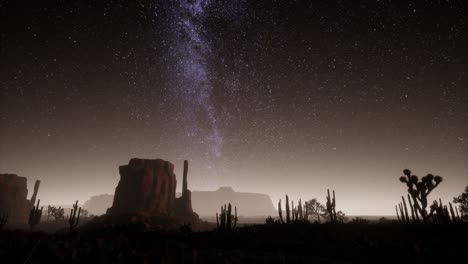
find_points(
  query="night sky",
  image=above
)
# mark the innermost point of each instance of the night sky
(276, 97)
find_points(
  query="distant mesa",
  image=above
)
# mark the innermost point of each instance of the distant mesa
(205, 203)
(13, 197)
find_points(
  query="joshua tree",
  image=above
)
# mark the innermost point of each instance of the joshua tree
(315, 208)
(226, 221)
(462, 200)
(74, 218)
(419, 191)
(35, 215)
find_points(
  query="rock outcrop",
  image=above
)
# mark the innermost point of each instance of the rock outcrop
(13, 197)
(148, 187)
(97, 205)
(207, 203)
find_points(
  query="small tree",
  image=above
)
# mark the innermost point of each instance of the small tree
(462, 200)
(315, 208)
(84, 213)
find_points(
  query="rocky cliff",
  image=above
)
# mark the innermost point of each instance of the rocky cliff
(148, 187)
(13, 197)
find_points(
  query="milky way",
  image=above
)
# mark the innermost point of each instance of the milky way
(265, 96)
(190, 52)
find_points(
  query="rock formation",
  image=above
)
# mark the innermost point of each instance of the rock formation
(183, 204)
(97, 205)
(13, 197)
(148, 187)
(207, 203)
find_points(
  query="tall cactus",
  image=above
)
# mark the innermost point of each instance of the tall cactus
(226, 221)
(407, 220)
(74, 218)
(331, 204)
(280, 212)
(35, 215)
(293, 214)
(419, 191)
(397, 214)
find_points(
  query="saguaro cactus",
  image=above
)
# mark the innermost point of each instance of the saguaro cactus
(226, 220)
(293, 214)
(74, 218)
(35, 215)
(419, 191)
(331, 204)
(288, 212)
(280, 212)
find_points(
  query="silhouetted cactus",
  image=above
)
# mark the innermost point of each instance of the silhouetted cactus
(293, 214)
(280, 212)
(443, 214)
(226, 220)
(74, 218)
(419, 191)
(403, 216)
(331, 204)
(35, 215)
(288, 213)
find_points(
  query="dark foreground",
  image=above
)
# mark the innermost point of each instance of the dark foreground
(345, 243)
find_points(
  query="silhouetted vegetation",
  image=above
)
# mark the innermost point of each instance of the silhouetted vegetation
(418, 191)
(331, 203)
(315, 209)
(299, 214)
(359, 221)
(226, 221)
(285, 239)
(56, 213)
(35, 215)
(462, 199)
(74, 218)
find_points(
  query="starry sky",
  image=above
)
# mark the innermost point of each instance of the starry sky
(276, 97)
